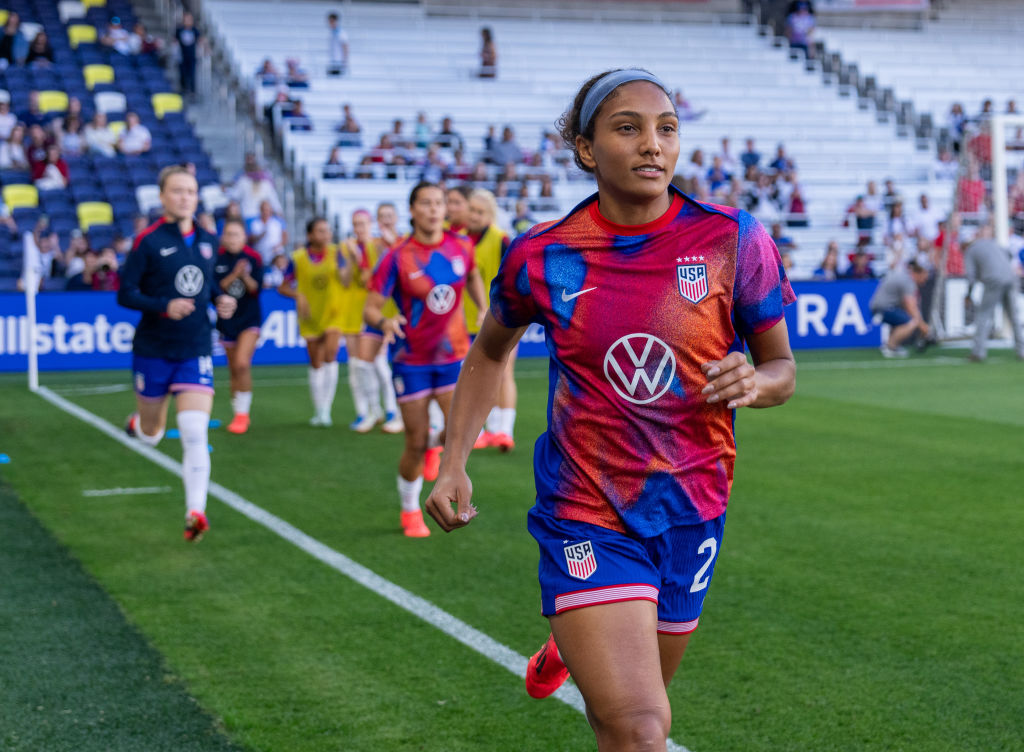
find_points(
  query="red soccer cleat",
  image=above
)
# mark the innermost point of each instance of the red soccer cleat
(432, 463)
(413, 525)
(239, 424)
(545, 672)
(483, 440)
(131, 426)
(503, 441)
(195, 525)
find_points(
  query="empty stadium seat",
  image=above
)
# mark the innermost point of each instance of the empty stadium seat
(79, 34)
(94, 213)
(20, 196)
(148, 198)
(164, 103)
(97, 73)
(53, 101)
(110, 101)
(69, 9)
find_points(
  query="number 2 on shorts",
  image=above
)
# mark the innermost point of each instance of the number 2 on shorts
(699, 580)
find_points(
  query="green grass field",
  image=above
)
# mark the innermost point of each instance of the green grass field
(868, 595)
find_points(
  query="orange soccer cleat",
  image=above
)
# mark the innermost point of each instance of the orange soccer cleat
(545, 673)
(483, 440)
(195, 525)
(413, 525)
(239, 424)
(503, 441)
(432, 463)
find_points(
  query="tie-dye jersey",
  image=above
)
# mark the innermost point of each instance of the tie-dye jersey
(427, 282)
(629, 315)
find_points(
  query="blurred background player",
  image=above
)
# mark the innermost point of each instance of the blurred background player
(169, 277)
(368, 370)
(317, 278)
(239, 273)
(489, 245)
(634, 472)
(425, 274)
(457, 208)
(387, 224)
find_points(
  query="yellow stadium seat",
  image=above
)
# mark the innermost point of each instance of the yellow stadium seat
(53, 101)
(81, 34)
(116, 126)
(167, 102)
(4, 13)
(94, 213)
(18, 196)
(97, 73)
(94, 4)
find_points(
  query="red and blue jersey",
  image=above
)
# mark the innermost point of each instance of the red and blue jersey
(427, 283)
(630, 313)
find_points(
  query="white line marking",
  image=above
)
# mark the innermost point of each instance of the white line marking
(126, 491)
(98, 389)
(414, 604)
(839, 365)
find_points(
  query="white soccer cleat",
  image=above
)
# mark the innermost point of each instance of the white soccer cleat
(393, 424)
(365, 424)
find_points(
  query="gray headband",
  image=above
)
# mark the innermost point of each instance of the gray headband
(605, 86)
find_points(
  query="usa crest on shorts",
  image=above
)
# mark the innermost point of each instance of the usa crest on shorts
(580, 560)
(693, 279)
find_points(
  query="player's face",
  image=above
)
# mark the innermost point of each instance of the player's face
(320, 235)
(636, 143)
(457, 208)
(361, 226)
(180, 197)
(387, 217)
(233, 238)
(478, 216)
(428, 211)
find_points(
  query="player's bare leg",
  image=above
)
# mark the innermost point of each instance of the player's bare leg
(612, 652)
(193, 424)
(150, 419)
(410, 466)
(240, 354)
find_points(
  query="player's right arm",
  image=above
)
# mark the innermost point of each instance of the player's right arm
(131, 295)
(289, 289)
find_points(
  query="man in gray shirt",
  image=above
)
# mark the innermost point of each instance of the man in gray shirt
(895, 300)
(987, 262)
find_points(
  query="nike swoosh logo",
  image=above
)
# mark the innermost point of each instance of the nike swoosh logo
(167, 251)
(416, 274)
(566, 297)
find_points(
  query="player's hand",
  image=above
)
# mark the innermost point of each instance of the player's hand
(449, 502)
(302, 306)
(392, 328)
(179, 308)
(242, 267)
(226, 306)
(731, 380)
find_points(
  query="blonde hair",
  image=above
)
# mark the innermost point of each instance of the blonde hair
(170, 170)
(488, 198)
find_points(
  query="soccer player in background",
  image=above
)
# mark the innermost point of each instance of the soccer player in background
(457, 208)
(425, 274)
(169, 276)
(369, 372)
(647, 299)
(239, 273)
(316, 279)
(490, 243)
(387, 224)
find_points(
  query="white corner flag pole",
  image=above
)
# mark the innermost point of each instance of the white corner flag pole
(29, 263)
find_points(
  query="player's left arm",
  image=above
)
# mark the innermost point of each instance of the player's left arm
(475, 288)
(768, 382)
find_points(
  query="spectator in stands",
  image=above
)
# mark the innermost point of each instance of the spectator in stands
(365, 169)
(447, 137)
(6, 220)
(872, 198)
(52, 172)
(782, 162)
(253, 187)
(946, 166)
(268, 74)
(13, 45)
(337, 46)
(399, 138)
(987, 262)
(421, 131)
(12, 151)
(81, 281)
(862, 217)
(891, 196)
(187, 38)
(273, 275)
(74, 256)
(144, 43)
(99, 138)
(948, 243)
(460, 169)
(488, 54)
(828, 271)
(507, 150)
(7, 120)
(782, 241)
(523, 220)
(729, 163)
(295, 75)
(296, 117)
(116, 37)
(33, 115)
(384, 151)
(40, 53)
(135, 138)
(38, 144)
(800, 29)
(987, 110)
(860, 264)
(971, 191)
(797, 211)
(69, 135)
(684, 110)
(106, 277)
(897, 226)
(717, 177)
(751, 157)
(895, 300)
(955, 122)
(349, 130)
(433, 165)
(268, 234)
(925, 222)
(334, 168)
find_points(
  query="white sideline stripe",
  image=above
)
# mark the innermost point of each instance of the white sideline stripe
(417, 606)
(839, 365)
(98, 389)
(126, 491)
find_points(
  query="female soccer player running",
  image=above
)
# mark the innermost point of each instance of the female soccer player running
(169, 277)
(316, 278)
(368, 370)
(425, 275)
(239, 273)
(647, 299)
(490, 243)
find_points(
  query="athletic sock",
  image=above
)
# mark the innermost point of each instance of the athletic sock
(241, 403)
(494, 422)
(330, 384)
(315, 388)
(508, 421)
(357, 383)
(409, 493)
(150, 440)
(193, 426)
(383, 368)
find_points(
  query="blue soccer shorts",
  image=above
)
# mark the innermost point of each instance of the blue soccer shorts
(587, 565)
(155, 378)
(417, 382)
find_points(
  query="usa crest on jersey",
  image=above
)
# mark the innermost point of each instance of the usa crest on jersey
(206, 250)
(693, 281)
(580, 560)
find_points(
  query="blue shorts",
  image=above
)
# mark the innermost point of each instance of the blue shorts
(155, 378)
(587, 565)
(417, 382)
(895, 317)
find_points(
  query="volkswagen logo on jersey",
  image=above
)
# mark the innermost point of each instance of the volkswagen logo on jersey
(579, 560)
(189, 281)
(459, 266)
(693, 281)
(441, 299)
(640, 367)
